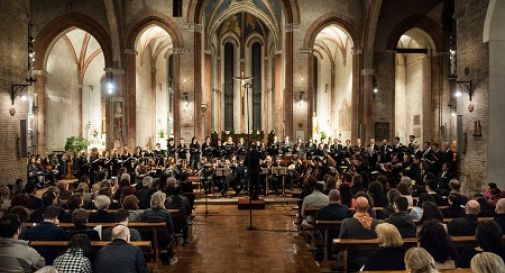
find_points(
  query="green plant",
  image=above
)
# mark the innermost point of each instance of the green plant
(323, 135)
(76, 144)
(162, 133)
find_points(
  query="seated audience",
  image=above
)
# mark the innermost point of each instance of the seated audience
(102, 203)
(334, 210)
(500, 213)
(390, 249)
(455, 209)
(49, 198)
(468, 224)
(391, 195)
(314, 200)
(75, 259)
(121, 218)
(75, 201)
(405, 188)
(158, 213)
(23, 214)
(401, 219)
(80, 219)
(431, 212)
(119, 255)
(33, 201)
(418, 260)
(180, 202)
(16, 255)
(493, 193)
(361, 225)
(417, 211)
(131, 203)
(144, 194)
(487, 262)
(431, 187)
(346, 195)
(47, 230)
(434, 238)
(376, 191)
(65, 193)
(486, 207)
(489, 239)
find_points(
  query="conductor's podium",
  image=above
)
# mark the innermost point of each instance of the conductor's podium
(245, 203)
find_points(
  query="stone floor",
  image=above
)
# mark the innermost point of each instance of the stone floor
(221, 243)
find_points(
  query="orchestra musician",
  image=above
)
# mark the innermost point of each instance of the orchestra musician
(171, 147)
(182, 152)
(207, 149)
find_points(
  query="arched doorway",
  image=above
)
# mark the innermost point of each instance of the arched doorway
(154, 87)
(75, 90)
(332, 83)
(413, 86)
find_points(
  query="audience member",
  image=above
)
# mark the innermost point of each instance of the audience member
(500, 213)
(401, 219)
(455, 209)
(24, 215)
(121, 218)
(80, 219)
(75, 259)
(487, 208)
(376, 190)
(119, 255)
(131, 203)
(434, 238)
(144, 194)
(33, 201)
(361, 225)
(487, 262)
(158, 213)
(418, 260)
(16, 255)
(431, 188)
(468, 224)
(405, 188)
(47, 230)
(431, 212)
(49, 198)
(391, 195)
(346, 195)
(75, 201)
(180, 202)
(390, 249)
(489, 238)
(314, 200)
(102, 203)
(417, 211)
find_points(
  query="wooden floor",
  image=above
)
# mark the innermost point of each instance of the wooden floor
(221, 243)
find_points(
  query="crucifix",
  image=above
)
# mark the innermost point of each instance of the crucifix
(242, 79)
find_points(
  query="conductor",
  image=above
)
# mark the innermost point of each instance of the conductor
(252, 162)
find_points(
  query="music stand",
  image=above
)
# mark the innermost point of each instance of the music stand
(247, 85)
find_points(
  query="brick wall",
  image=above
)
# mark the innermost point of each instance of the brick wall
(13, 40)
(473, 54)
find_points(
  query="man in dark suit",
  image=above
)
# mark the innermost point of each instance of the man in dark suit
(398, 147)
(119, 255)
(385, 152)
(47, 230)
(467, 225)
(412, 142)
(252, 162)
(401, 218)
(33, 201)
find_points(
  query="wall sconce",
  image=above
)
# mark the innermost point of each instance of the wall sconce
(467, 87)
(300, 101)
(452, 110)
(185, 96)
(204, 106)
(375, 87)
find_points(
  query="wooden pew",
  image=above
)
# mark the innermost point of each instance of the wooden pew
(146, 245)
(457, 270)
(369, 245)
(155, 227)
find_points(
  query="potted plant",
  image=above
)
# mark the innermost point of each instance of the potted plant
(323, 135)
(161, 133)
(76, 144)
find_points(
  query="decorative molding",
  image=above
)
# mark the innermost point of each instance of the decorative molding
(114, 70)
(307, 50)
(130, 51)
(179, 50)
(192, 27)
(356, 51)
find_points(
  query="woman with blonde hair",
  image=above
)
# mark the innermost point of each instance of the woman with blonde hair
(390, 250)
(487, 262)
(418, 260)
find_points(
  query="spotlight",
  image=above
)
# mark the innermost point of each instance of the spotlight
(453, 114)
(24, 98)
(375, 90)
(457, 94)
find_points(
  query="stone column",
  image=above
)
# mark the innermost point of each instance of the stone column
(368, 119)
(288, 92)
(207, 95)
(198, 85)
(131, 100)
(39, 88)
(278, 96)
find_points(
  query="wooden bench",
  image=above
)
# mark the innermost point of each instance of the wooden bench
(459, 270)
(146, 245)
(155, 227)
(369, 245)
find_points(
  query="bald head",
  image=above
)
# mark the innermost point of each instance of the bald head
(472, 207)
(120, 232)
(362, 204)
(334, 196)
(500, 206)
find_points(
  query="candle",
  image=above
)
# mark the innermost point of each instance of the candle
(35, 101)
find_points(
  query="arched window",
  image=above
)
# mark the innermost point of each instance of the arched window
(228, 85)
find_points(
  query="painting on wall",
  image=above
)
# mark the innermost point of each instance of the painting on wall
(118, 125)
(345, 116)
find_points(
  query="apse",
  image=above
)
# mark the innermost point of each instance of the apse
(332, 83)
(413, 87)
(74, 87)
(154, 93)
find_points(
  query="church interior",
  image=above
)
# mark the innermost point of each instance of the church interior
(252, 135)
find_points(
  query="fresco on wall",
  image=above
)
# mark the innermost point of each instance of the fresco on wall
(118, 122)
(345, 116)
